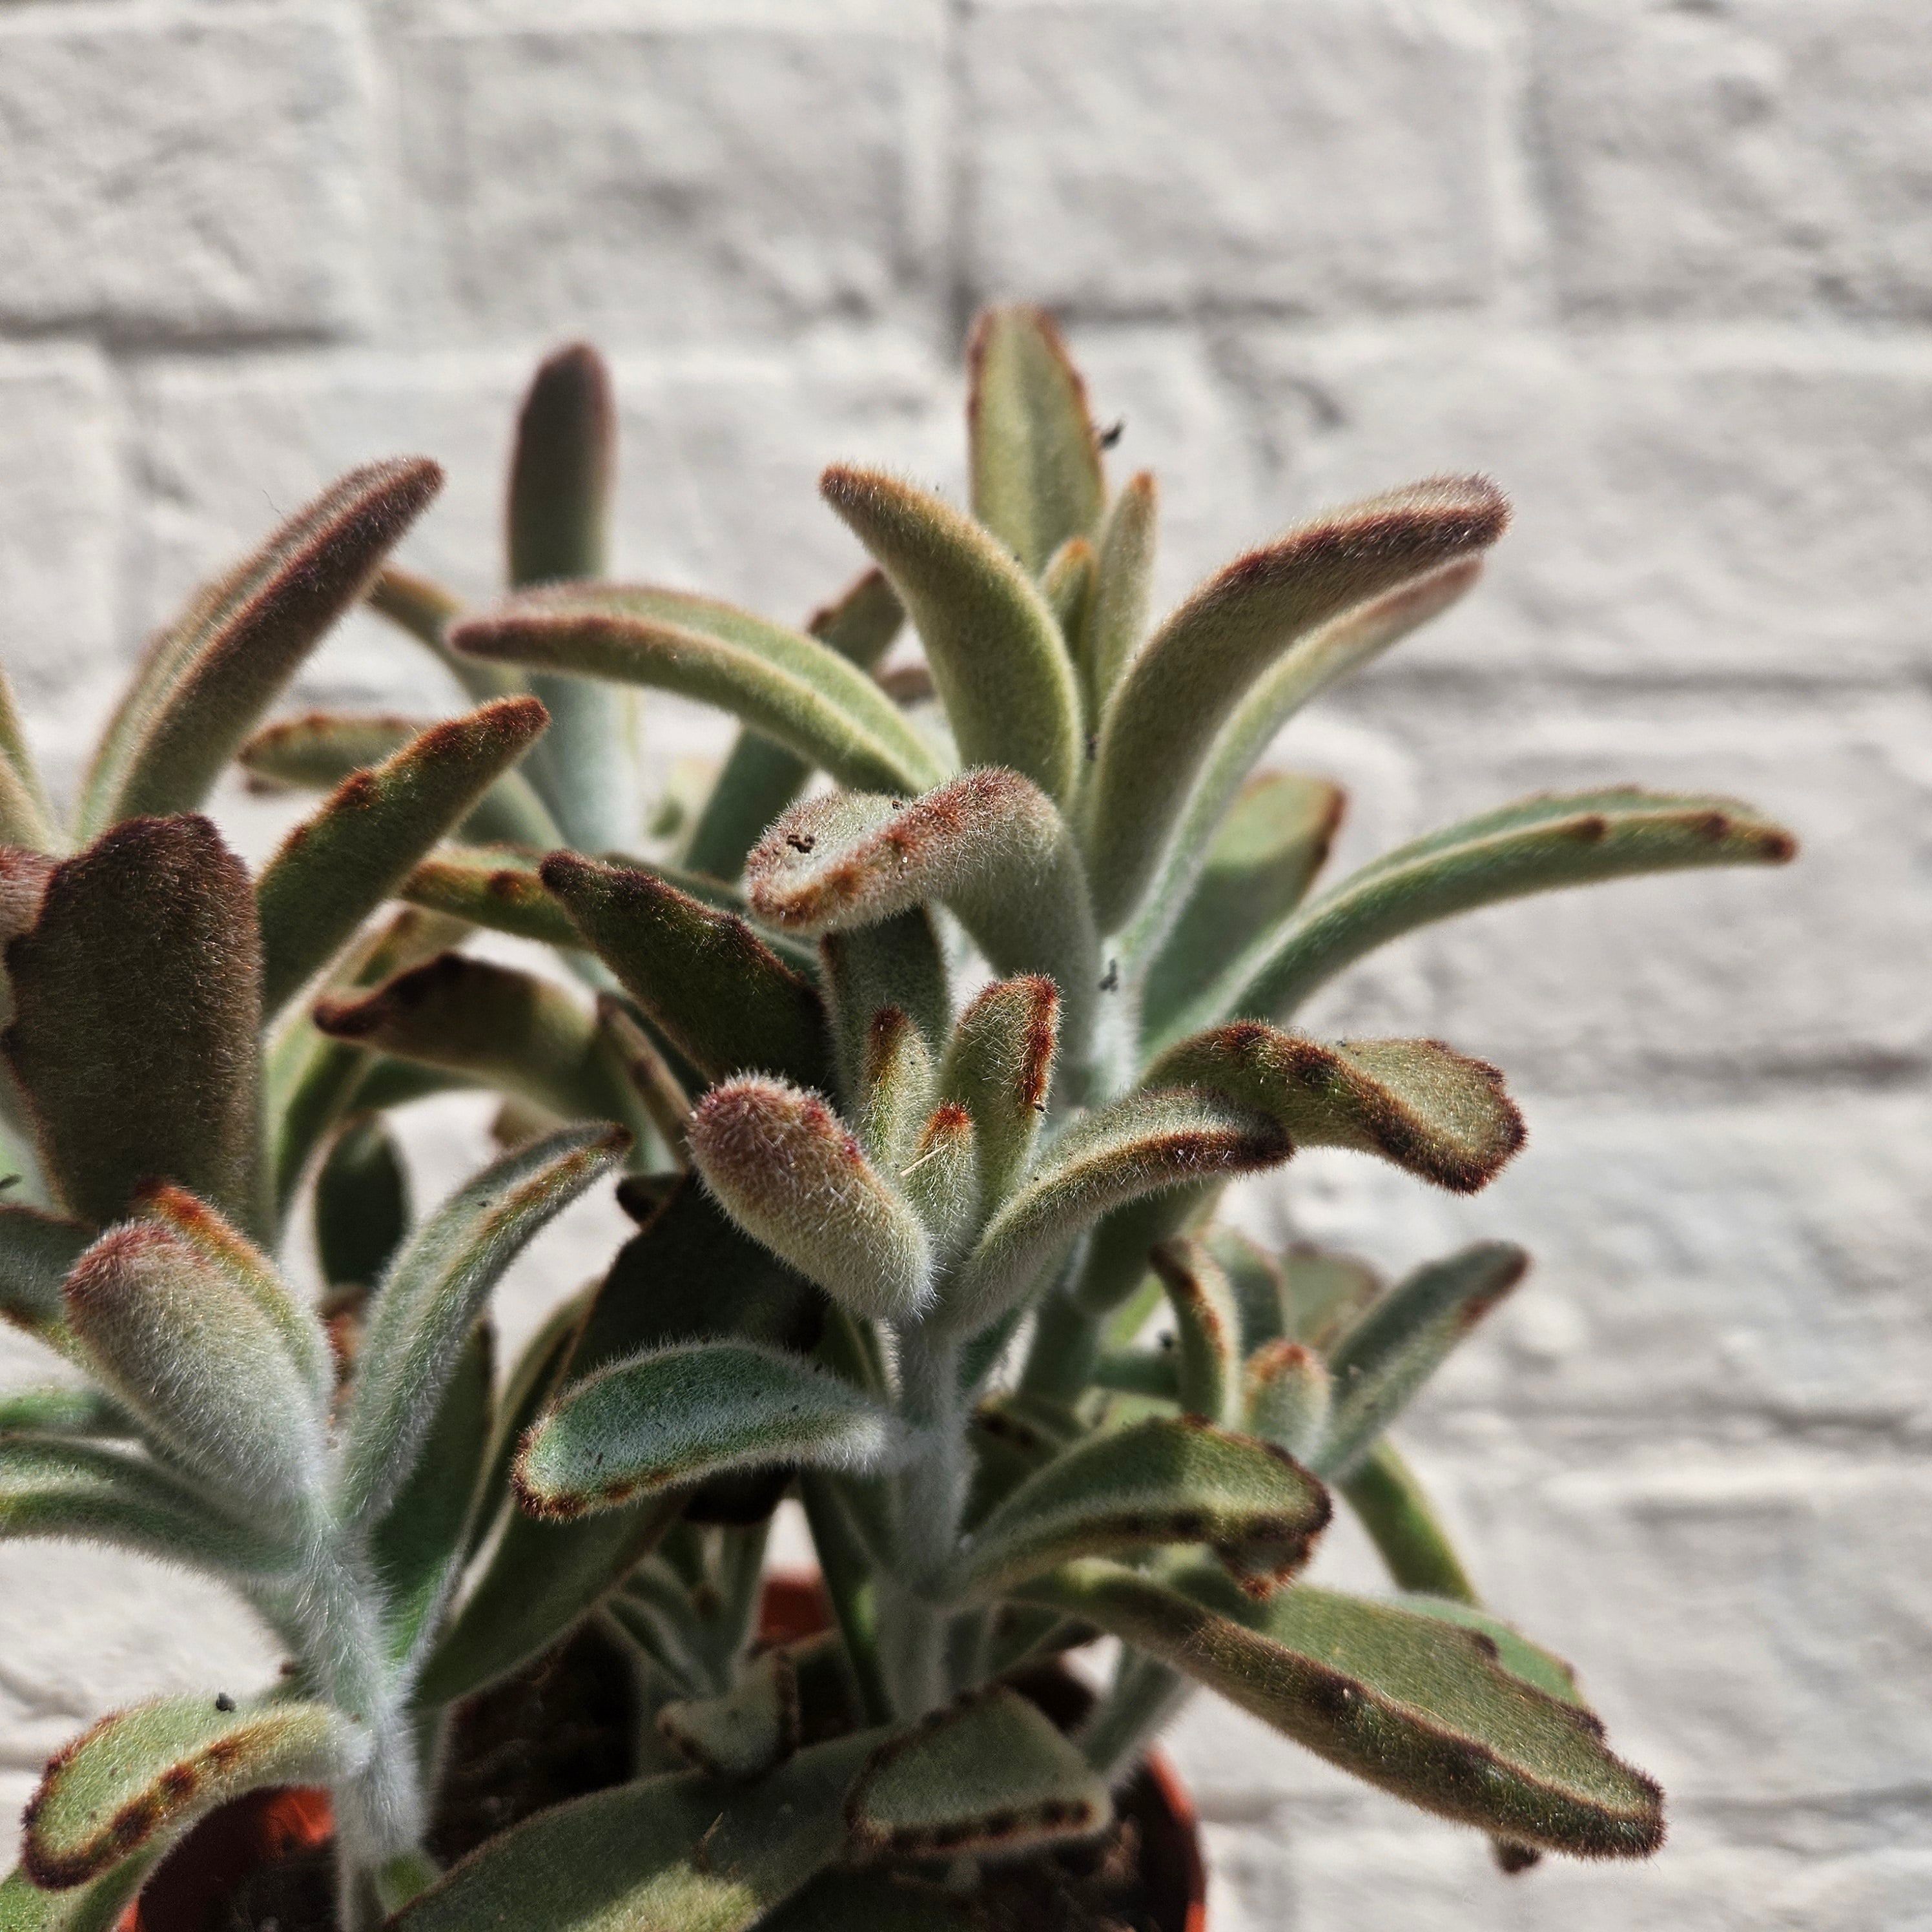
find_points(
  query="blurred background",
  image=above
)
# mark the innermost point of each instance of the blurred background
(1664, 269)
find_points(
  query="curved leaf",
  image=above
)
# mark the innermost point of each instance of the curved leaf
(675, 1416)
(207, 679)
(1189, 676)
(335, 869)
(98, 1906)
(1207, 1331)
(998, 658)
(425, 610)
(706, 982)
(142, 1774)
(999, 1067)
(744, 1732)
(988, 844)
(987, 1773)
(788, 687)
(1379, 1365)
(1035, 461)
(1408, 1702)
(1416, 1102)
(1170, 1479)
(1288, 1394)
(1123, 578)
(1145, 1143)
(499, 889)
(1535, 846)
(37, 1249)
(789, 1172)
(434, 1294)
(1384, 1494)
(137, 1016)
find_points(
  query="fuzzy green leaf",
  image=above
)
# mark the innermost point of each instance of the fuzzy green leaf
(142, 1775)
(988, 1773)
(1259, 867)
(1379, 1365)
(995, 650)
(1143, 1143)
(988, 845)
(361, 1204)
(681, 1853)
(498, 888)
(1340, 646)
(417, 1549)
(62, 1410)
(1541, 1669)
(677, 1416)
(1384, 1494)
(425, 610)
(1535, 846)
(1191, 675)
(1415, 1102)
(1206, 1330)
(99, 1906)
(436, 1291)
(494, 1024)
(900, 963)
(1256, 1277)
(1323, 1292)
(335, 868)
(316, 752)
(74, 1490)
(189, 1328)
(36, 1251)
(1035, 461)
(999, 1067)
(895, 1088)
(650, 1076)
(137, 1012)
(561, 477)
(1123, 581)
(791, 1174)
(1287, 1396)
(744, 1733)
(1408, 1702)
(706, 981)
(787, 687)
(1168, 1480)
(208, 677)
(940, 1178)
(761, 778)
(1067, 585)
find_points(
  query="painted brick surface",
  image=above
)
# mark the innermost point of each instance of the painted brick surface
(1661, 268)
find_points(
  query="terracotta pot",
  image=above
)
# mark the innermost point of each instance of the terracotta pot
(220, 1852)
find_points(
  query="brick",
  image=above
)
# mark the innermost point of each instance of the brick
(60, 537)
(187, 178)
(1318, 157)
(1754, 160)
(723, 177)
(1689, 504)
(1725, 1271)
(1704, 976)
(719, 459)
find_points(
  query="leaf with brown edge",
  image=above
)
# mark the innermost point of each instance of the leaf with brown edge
(999, 1067)
(1410, 1703)
(1188, 678)
(995, 650)
(498, 887)
(335, 869)
(675, 1416)
(1416, 1102)
(704, 978)
(1536, 845)
(1287, 1395)
(1206, 1330)
(1035, 461)
(1143, 1144)
(36, 1251)
(791, 1174)
(900, 962)
(761, 778)
(208, 677)
(434, 1293)
(987, 1773)
(988, 844)
(743, 1733)
(1169, 1479)
(317, 751)
(140, 1776)
(787, 687)
(495, 1024)
(941, 1177)
(100, 1906)
(1380, 1363)
(137, 1013)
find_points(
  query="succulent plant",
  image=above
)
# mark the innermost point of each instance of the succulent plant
(930, 1079)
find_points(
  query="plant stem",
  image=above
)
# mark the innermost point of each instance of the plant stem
(932, 1493)
(1144, 1695)
(1065, 1348)
(854, 1594)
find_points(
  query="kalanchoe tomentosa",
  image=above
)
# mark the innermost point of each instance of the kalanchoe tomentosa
(932, 1079)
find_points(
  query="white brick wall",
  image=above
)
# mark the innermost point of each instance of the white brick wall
(1662, 268)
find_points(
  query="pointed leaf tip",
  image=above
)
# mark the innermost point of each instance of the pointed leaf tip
(788, 1171)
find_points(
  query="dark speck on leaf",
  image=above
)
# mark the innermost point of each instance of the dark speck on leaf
(1112, 433)
(1112, 983)
(800, 841)
(223, 1701)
